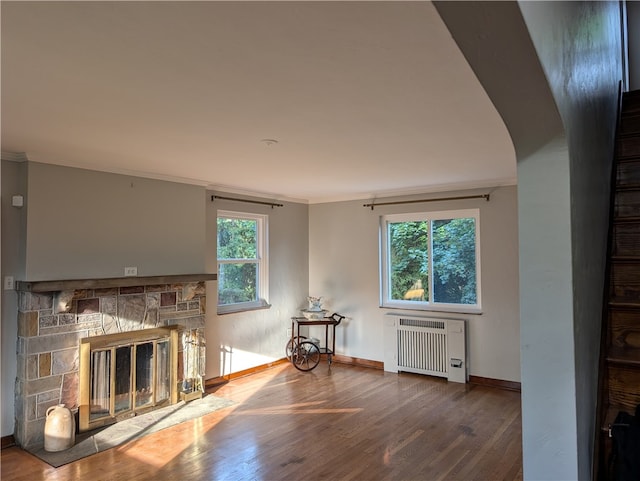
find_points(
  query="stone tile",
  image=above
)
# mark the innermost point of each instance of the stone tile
(157, 288)
(194, 305)
(90, 318)
(203, 305)
(48, 321)
(44, 364)
(164, 315)
(30, 408)
(64, 319)
(64, 361)
(21, 366)
(110, 324)
(63, 301)
(21, 346)
(197, 322)
(32, 367)
(33, 434)
(70, 390)
(27, 324)
(153, 300)
(151, 318)
(83, 327)
(41, 408)
(88, 306)
(192, 290)
(109, 305)
(31, 388)
(33, 301)
(131, 310)
(168, 299)
(56, 342)
(182, 306)
(49, 396)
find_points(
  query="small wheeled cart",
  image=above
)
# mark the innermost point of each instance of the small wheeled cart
(305, 353)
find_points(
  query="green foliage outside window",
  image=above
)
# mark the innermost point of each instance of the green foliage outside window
(237, 260)
(453, 262)
(408, 260)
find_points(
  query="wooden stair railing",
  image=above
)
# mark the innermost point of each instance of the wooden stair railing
(620, 349)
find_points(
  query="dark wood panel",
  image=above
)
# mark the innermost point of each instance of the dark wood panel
(624, 328)
(624, 387)
(346, 422)
(628, 174)
(625, 282)
(627, 203)
(628, 147)
(630, 123)
(626, 238)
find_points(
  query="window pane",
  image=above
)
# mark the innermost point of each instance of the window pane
(454, 261)
(237, 283)
(123, 379)
(408, 261)
(144, 374)
(237, 238)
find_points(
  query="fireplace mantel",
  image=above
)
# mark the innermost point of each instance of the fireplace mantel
(71, 284)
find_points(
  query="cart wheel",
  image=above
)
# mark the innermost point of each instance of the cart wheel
(291, 343)
(305, 356)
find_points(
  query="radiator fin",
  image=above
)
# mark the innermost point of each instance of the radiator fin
(422, 346)
(426, 323)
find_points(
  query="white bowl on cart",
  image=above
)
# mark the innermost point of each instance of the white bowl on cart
(314, 315)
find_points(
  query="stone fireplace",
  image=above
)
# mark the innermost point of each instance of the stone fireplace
(55, 316)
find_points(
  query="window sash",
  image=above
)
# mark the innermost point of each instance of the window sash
(260, 262)
(429, 302)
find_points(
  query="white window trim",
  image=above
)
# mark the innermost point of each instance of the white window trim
(262, 246)
(385, 302)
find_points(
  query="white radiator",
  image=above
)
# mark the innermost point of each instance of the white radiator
(425, 345)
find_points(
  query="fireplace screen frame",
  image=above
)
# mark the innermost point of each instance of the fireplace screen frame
(110, 343)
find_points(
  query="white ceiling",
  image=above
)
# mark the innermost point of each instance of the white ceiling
(365, 99)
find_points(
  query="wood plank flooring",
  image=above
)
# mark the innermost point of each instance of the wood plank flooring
(343, 423)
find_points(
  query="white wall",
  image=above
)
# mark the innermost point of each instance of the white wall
(85, 224)
(240, 341)
(344, 267)
(14, 182)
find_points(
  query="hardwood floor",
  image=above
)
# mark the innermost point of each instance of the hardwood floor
(347, 423)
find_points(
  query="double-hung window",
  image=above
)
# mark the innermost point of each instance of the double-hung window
(431, 261)
(242, 261)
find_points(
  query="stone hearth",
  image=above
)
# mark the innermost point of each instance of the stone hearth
(54, 315)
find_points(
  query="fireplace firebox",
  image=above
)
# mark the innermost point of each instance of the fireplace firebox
(125, 374)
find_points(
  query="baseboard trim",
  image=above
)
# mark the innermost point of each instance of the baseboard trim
(499, 383)
(217, 381)
(356, 361)
(7, 441)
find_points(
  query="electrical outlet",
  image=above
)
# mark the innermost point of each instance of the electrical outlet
(130, 271)
(288, 332)
(8, 283)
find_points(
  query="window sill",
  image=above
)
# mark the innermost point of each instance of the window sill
(243, 309)
(448, 310)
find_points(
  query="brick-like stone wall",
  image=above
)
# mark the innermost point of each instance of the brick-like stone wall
(51, 324)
